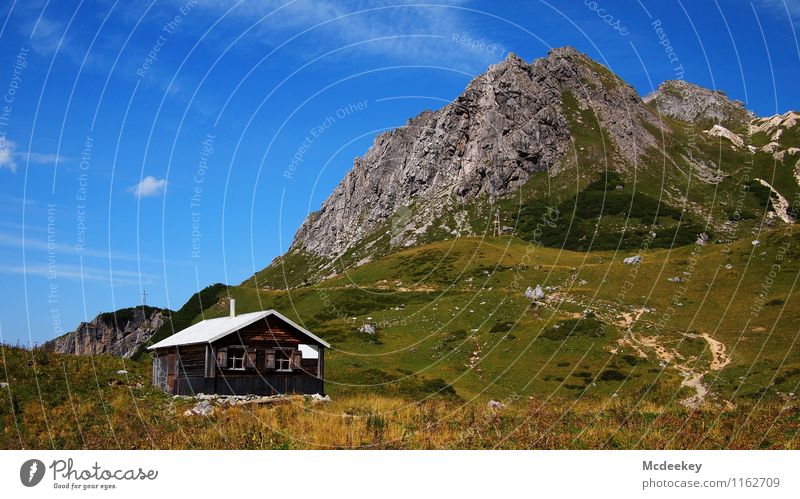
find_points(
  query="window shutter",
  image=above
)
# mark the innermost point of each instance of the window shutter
(297, 359)
(270, 358)
(222, 357)
(250, 358)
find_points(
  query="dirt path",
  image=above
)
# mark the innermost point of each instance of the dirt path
(628, 319)
(692, 377)
(720, 357)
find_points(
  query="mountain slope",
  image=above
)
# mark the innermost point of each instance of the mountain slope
(507, 125)
(525, 140)
(693, 324)
(116, 333)
(691, 103)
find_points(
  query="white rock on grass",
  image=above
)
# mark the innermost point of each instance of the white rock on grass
(632, 260)
(317, 398)
(122, 371)
(702, 239)
(534, 294)
(202, 408)
(496, 404)
(367, 329)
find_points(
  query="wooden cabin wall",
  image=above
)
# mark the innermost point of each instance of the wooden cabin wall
(190, 366)
(271, 335)
(196, 369)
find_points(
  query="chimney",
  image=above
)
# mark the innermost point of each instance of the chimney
(233, 307)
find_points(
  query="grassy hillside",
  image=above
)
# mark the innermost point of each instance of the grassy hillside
(57, 401)
(454, 311)
(712, 351)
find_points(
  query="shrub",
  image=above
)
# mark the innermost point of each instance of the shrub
(612, 375)
(586, 327)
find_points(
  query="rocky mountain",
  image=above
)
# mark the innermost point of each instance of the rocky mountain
(509, 123)
(553, 135)
(687, 102)
(116, 333)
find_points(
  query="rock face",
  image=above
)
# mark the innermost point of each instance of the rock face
(107, 334)
(509, 123)
(688, 102)
(722, 132)
(781, 132)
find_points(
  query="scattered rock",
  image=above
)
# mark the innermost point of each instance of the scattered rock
(3, 385)
(122, 371)
(756, 242)
(496, 404)
(317, 398)
(632, 260)
(367, 329)
(675, 279)
(534, 294)
(702, 239)
(202, 408)
(728, 266)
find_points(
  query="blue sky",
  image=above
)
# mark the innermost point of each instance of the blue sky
(169, 145)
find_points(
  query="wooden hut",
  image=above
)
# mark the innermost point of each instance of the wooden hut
(260, 353)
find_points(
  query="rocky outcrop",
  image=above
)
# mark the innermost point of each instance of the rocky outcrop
(114, 333)
(781, 133)
(685, 101)
(720, 131)
(508, 124)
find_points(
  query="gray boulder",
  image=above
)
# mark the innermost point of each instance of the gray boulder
(367, 329)
(534, 294)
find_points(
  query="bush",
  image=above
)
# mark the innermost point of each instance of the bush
(586, 327)
(612, 375)
(501, 327)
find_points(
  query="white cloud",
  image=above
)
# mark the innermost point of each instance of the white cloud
(7, 156)
(783, 8)
(42, 158)
(81, 273)
(148, 187)
(418, 34)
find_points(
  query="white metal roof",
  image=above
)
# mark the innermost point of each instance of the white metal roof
(211, 330)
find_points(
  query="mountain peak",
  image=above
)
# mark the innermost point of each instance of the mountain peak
(689, 102)
(512, 59)
(565, 52)
(511, 122)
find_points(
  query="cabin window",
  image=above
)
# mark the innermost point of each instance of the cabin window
(236, 358)
(283, 360)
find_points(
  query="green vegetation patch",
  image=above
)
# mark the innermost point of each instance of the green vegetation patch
(587, 327)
